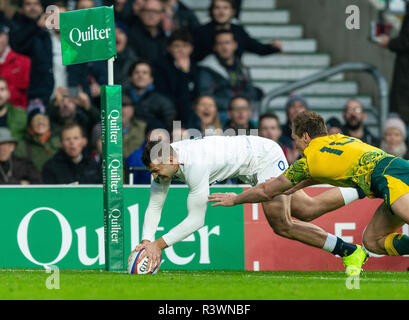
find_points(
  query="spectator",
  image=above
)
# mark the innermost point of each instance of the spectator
(399, 95)
(240, 114)
(354, 117)
(222, 12)
(11, 117)
(15, 69)
(72, 107)
(133, 129)
(125, 55)
(146, 37)
(178, 16)
(30, 37)
(224, 76)
(38, 144)
(60, 72)
(394, 138)
(89, 76)
(73, 163)
(208, 117)
(85, 4)
(334, 126)
(150, 105)
(176, 76)
(140, 174)
(123, 10)
(15, 170)
(96, 145)
(269, 128)
(295, 105)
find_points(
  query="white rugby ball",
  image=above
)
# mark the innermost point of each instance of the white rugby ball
(142, 266)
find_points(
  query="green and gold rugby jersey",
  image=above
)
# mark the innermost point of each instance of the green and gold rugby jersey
(338, 160)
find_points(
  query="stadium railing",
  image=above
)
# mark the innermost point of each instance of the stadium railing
(379, 78)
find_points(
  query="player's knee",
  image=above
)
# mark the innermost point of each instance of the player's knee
(371, 243)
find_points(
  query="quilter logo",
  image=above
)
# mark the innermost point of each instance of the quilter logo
(78, 37)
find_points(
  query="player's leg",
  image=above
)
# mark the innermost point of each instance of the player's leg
(308, 208)
(390, 180)
(382, 224)
(278, 214)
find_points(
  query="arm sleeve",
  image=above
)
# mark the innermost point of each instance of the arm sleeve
(153, 212)
(298, 171)
(255, 46)
(198, 182)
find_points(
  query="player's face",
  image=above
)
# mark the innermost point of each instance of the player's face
(164, 172)
(300, 142)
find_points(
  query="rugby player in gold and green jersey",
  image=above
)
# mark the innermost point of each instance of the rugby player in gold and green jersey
(343, 161)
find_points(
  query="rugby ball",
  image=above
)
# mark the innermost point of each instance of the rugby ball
(141, 267)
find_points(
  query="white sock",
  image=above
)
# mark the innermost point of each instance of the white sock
(330, 243)
(349, 194)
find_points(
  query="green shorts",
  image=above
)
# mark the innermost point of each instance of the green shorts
(390, 179)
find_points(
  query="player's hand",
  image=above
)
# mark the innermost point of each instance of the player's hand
(152, 251)
(223, 199)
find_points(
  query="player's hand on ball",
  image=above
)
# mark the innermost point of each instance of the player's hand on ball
(223, 199)
(153, 252)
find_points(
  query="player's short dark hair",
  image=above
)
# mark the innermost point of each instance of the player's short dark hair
(309, 122)
(180, 35)
(154, 150)
(268, 115)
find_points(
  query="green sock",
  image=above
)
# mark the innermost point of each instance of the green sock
(401, 244)
(397, 244)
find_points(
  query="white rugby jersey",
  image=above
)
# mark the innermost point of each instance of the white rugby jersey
(204, 162)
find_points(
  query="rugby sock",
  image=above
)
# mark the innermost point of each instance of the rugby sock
(397, 244)
(337, 246)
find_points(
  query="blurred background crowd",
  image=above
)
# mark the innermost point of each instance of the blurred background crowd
(171, 68)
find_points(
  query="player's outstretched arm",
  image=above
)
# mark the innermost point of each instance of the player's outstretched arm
(303, 184)
(263, 192)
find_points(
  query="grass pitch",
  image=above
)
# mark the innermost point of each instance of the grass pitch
(202, 285)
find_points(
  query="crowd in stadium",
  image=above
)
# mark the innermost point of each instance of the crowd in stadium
(171, 68)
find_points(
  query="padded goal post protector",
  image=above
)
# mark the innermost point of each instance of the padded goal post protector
(112, 176)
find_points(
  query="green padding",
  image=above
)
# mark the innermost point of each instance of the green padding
(112, 170)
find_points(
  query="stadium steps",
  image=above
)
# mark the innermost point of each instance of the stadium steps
(301, 58)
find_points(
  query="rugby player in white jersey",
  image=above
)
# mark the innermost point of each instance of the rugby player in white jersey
(205, 161)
